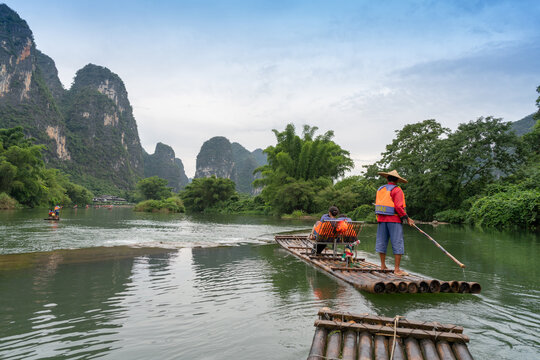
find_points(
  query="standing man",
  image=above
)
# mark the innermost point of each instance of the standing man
(390, 210)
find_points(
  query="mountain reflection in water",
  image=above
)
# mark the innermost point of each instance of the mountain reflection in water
(251, 300)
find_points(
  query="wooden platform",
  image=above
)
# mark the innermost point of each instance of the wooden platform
(367, 276)
(340, 335)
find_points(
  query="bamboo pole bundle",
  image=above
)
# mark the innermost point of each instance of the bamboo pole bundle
(366, 281)
(389, 331)
(367, 276)
(327, 314)
(378, 339)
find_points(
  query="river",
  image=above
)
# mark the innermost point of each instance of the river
(116, 284)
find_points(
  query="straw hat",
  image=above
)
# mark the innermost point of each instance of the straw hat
(393, 173)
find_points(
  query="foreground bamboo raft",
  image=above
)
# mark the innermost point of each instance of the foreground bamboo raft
(367, 276)
(340, 335)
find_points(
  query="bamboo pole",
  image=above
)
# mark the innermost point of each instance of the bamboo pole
(454, 286)
(398, 348)
(440, 247)
(461, 351)
(381, 347)
(402, 287)
(445, 287)
(333, 347)
(413, 349)
(434, 286)
(464, 287)
(390, 287)
(412, 287)
(349, 345)
(365, 346)
(423, 287)
(389, 331)
(326, 313)
(444, 350)
(317, 346)
(368, 283)
(475, 287)
(428, 347)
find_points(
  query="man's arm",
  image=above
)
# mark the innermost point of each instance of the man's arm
(398, 197)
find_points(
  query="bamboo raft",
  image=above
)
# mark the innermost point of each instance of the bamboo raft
(340, 335)
(52, 219)
(367, 276)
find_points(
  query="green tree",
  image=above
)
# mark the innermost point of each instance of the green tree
(21, 167)
(446, 168)
(412, 154)
(347, 194)
(154, 188)
(204, 193)
(78, 194)
(474, 156)
(300, 167)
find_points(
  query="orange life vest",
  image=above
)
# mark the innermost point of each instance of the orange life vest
(384, 205)
(325, 228)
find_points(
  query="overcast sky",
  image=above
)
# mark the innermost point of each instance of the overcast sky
(198, 69)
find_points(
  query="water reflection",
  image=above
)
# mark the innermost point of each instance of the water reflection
(241, 301)
(58, 304)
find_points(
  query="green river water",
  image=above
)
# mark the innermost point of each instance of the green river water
(116, 284)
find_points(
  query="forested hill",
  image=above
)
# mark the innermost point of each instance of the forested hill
(89, 130)
(524, 125)
(25, 96)
(232, 161)
(102, 133)
(162, 163)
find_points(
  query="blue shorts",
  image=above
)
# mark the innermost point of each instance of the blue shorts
(391, 230)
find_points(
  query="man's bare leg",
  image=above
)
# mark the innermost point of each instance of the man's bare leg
(397, 270)
(383, 261)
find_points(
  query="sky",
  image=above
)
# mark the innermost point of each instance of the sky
(198, 69)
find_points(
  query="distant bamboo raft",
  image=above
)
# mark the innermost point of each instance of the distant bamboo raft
(340, 335)
(367, 276)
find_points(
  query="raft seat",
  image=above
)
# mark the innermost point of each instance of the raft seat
(329, 233)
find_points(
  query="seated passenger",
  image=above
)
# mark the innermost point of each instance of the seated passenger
(333, 212)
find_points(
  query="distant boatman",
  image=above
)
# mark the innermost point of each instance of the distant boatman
(390, 210)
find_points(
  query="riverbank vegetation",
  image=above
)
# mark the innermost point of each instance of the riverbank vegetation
(27, 182)
(155, 196)
(481, 173)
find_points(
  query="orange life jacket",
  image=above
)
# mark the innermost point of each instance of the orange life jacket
(325, 228)
(384, 205)
(341, 227)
